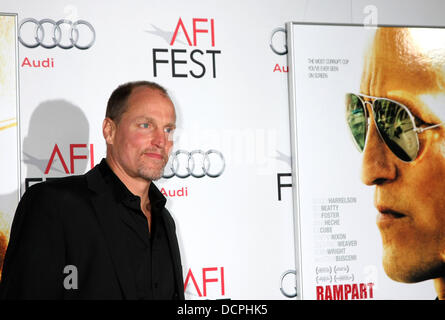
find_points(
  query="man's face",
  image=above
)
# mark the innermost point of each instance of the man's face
(410, 196)
(141, 141)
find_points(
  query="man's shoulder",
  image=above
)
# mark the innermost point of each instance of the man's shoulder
(58, 189)
(59, 184)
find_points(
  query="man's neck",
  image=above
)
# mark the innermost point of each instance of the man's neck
(138, 187)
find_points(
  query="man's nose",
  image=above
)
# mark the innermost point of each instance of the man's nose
(378, 164)
(159, 138)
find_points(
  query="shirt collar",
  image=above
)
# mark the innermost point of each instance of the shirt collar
(121, 192)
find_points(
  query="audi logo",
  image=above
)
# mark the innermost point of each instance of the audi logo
(196, 163)
(282, 51)
(64, 40)
(283, 291)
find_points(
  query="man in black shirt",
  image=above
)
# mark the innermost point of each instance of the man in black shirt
(106, 234)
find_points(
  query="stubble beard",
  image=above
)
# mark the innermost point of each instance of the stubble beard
(412, 266)
(152, 174)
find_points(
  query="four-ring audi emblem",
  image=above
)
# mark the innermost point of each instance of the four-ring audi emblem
(56, 37)
(278, 51)
(196, 163)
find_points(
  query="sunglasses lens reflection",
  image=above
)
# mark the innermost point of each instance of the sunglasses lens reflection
(356, 119)
(396, 128)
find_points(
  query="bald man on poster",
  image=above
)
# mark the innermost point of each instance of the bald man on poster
(105, 234)
(403, 92)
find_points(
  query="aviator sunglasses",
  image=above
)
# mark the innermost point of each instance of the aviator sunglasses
(395, 124)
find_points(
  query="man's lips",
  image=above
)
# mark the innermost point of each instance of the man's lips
(387, 215)
(154, 155)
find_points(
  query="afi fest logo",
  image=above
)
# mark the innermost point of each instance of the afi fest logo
(191, 59)
(64, 165)
(205, 282)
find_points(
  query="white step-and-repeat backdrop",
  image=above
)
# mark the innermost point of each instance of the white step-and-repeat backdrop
(225, 65)
(230, 91)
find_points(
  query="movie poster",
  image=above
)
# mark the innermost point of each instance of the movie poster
(9, 186)
(367, 112)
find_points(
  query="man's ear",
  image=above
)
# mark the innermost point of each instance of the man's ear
(108, 130)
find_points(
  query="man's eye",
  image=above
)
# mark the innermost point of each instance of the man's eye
(144, 125)
(168, 130)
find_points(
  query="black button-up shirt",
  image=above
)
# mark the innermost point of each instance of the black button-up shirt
(148, 251)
